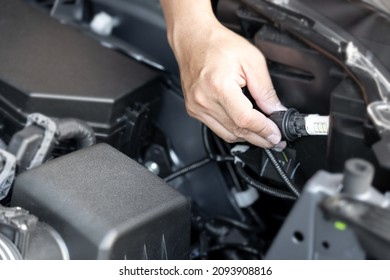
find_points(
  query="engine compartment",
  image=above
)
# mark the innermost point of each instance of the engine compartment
(125, 88)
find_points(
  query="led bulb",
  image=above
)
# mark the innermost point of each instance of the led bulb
(317, 125)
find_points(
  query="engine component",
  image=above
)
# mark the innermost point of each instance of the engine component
(33, 144)
(25, 144)
(293, 124)
(106, 206)
(7, 172)
(369, 223)
(23, 236)
(301, 75)
(353, 135)
(66, 74)
(309, 234)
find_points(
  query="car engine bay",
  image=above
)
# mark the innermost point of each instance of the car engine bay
(100, 160)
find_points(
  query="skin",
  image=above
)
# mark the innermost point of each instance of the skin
(215, 64)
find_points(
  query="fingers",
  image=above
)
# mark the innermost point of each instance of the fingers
(231, 115)
(238, 134)
(220, 130)
(247, 122)
(260, 86)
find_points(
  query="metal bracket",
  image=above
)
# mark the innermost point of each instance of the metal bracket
(310, 234)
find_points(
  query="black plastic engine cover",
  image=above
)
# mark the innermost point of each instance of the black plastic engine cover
(57, 70)
(107, 206)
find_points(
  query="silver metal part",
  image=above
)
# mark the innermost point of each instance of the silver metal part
(8, 250)
(356, 183)
(379, 113)
(356, 59)
(152, 167)
(50, 130)
(7, 172)
(358, 175)
(22, 236)
(308, 234)
(280, 2)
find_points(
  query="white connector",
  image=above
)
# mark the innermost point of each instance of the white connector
(102, 24)
(317, 125)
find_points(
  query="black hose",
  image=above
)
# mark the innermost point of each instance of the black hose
(281, 173)
(187, 169)
(75, 129)
(261, 187)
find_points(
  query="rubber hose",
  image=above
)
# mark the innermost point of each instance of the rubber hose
(75, 129)
(281, 173)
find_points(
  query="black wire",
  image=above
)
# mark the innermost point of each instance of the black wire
(237, 184)
(238, 247)
(207, 146)
(238, 224)
(206, 142)
(261, 187)
(281, 173)
(187, 169)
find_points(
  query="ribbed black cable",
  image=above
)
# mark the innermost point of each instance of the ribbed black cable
(281, 173)
(261, 187)
(238, 224)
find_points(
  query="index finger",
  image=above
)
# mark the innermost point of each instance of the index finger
(238, 107)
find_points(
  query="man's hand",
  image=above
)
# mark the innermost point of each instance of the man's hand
(215, 64)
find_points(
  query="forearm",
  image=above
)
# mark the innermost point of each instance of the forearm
(183, 16)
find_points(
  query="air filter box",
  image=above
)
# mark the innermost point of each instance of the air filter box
(56, 70)
(107, 206)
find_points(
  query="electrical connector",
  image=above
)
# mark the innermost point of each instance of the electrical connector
(294, 125)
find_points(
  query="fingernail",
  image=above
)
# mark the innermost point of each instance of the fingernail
(280, 107)
(274, 139)
(280, 146)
